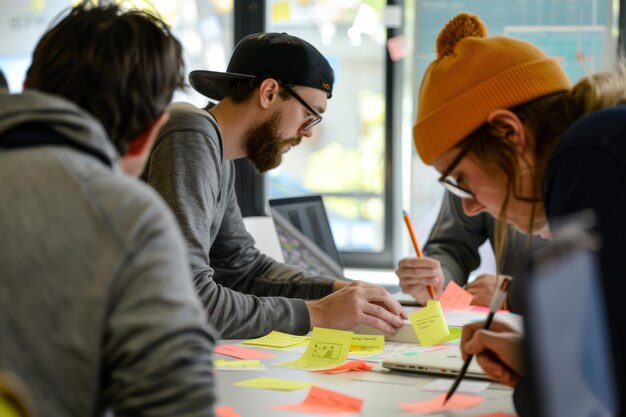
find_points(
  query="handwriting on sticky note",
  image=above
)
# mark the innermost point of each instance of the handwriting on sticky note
(324, 401)
(328, 348)
(367, 344)
(456, 402)
(429, 324)
(348, 366)
(277, 384)
(242, 353)
(225, 411)
(455, 297)
(277, 340)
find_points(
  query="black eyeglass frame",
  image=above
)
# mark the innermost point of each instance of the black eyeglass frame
(317, 117)
(449, 182)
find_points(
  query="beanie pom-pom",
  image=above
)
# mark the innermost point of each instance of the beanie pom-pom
(462, 26)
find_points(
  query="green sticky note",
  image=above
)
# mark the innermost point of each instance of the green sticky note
(430, 324)
(273, 384)
(277, 340)
(328, 348)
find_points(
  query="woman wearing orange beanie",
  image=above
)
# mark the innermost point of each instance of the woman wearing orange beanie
(509, 134)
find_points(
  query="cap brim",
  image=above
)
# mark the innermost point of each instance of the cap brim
(214, 85)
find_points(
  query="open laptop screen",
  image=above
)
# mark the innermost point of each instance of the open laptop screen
(307, 214)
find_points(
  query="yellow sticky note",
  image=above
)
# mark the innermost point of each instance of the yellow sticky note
(455, 333)
(273, 383)
(430, 324)
(238, 364)
(328, 348)
(366, 344)
(277, 340)
(281, 11)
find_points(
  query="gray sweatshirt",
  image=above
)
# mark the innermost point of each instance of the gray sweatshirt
(455, 238)
(244, 292)
(96, 307)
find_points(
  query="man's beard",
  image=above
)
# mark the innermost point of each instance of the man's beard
(263, 145)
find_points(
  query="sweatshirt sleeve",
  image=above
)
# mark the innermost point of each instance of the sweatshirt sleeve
(157, 344)
(244, 293)
(455, 239)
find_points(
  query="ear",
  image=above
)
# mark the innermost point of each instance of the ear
(513, 126)
(142, 143)
(268, 92)
(138, 149)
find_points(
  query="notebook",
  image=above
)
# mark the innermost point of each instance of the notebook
(446, 362)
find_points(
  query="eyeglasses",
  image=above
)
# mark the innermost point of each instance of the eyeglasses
(450, 182)
(314, 116)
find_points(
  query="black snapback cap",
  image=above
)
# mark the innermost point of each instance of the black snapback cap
(285, 58)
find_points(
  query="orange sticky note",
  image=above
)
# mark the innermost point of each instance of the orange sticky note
(455, 297)
(457, 402)
(355, 365)
(242, 352)
(324, 401)
(226, 411)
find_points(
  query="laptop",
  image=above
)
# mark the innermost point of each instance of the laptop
(305, 234)
(567, 341)
(447, 362)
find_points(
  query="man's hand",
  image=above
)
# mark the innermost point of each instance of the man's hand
(416, 273)
(497, 350)
(357, 303)
(482, 288)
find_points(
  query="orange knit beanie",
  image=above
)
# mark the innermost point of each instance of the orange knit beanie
(474, 75)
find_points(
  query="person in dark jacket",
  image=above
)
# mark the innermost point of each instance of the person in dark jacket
(500, 121)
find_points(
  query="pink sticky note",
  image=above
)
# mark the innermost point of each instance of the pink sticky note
(481, 309)
(355, 365)
(226, 411)
(242, 353)
(455, 297)
(395, 46)
(457, 402)
(324, 401)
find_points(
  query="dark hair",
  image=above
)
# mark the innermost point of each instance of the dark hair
(4, 86)
(241, 90)
(121, 66)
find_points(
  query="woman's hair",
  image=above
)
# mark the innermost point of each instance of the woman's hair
(545, 119)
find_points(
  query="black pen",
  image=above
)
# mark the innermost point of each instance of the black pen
(496, 302)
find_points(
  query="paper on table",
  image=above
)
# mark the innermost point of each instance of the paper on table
(226, 411)
(242, 353)
(277, 340)
(273, 384)
(456, 402)
(323, 401)
(239, 365)
(328, 348)
(348, 366)
(429, 324)
(366, 344)
(455, 297)
(466, 387)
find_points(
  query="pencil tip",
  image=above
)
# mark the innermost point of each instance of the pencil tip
(404, 213)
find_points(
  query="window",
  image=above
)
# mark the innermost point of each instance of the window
(345, 159)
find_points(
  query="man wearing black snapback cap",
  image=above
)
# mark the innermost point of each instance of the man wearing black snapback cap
(274, 91)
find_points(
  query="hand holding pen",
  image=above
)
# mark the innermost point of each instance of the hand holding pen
(496, 301)
(418, 251)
